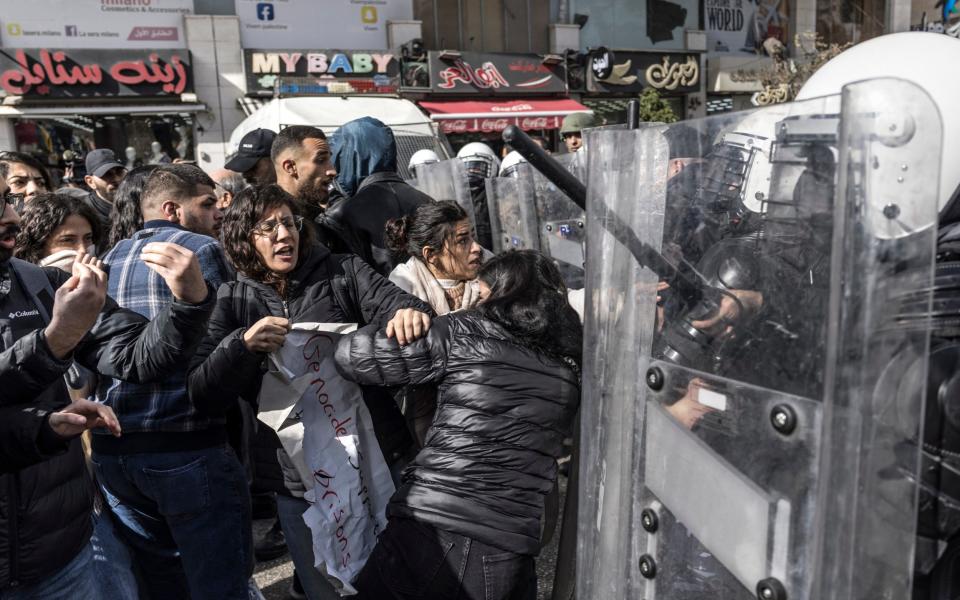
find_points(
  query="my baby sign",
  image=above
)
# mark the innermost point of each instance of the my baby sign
(326, 429)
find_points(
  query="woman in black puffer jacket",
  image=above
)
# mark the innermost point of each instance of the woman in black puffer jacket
(466, 520)
(284, 278)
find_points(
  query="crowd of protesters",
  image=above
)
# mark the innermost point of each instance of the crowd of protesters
(137, 313)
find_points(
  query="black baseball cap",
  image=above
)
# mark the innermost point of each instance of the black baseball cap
(254, 146)
(100, 161)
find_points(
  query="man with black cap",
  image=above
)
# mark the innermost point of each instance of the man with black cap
(253, 158)
(104, 173)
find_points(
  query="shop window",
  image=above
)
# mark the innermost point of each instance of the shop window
(484, 25)
(850, 21)
(136, 140)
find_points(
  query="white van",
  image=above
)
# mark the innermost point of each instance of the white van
(411, 127)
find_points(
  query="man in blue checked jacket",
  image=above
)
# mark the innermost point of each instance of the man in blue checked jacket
(178, 494)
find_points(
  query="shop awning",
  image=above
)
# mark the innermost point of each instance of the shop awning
(66, 110)
(467, 116)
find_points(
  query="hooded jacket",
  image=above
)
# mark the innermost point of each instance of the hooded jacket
(365, 155)
(45, 508)
(503, 410)
(224, 370)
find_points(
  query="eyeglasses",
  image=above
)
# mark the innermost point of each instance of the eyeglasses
(272, 226)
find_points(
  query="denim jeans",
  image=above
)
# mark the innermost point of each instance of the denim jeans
(76, 580)
(185, 517)
(111, 561)
(300, 543)
(414, 561)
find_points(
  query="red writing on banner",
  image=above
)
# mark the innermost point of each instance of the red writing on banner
(453, 126)
(318, 346)
(51, 69)
(484, 77)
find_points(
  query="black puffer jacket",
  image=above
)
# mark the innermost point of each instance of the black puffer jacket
(380, 197)
(45, 508)
(502, 413)
(223, 369)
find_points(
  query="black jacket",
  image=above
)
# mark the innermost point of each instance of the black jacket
(502, 413)
(379, 198)
(223, 369)
(45, 508)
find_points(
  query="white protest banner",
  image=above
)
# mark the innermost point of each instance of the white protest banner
(326, 429)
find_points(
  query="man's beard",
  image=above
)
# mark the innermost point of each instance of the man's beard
(314, 193)
(5, 232)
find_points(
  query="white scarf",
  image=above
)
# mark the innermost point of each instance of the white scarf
(414, 277)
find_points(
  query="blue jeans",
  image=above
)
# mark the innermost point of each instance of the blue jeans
(76, 580)
(300, 543)
(111, 560)
(185, 517)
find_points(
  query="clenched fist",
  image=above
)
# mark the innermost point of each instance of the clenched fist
(408, 325)
(179, 267)
(267, 334)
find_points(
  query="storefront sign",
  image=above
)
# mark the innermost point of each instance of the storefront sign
(321, 71)
(90, 73)
(123, 24)
(496, 124)
(349, 24)
(741, 26)
(626, 72)
(495, 75)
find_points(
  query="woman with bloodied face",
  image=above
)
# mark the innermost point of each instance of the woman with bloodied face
(286, 277)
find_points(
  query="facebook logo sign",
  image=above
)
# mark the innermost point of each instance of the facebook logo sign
(264, 11)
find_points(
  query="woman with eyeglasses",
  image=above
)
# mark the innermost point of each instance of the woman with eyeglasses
(465, 521)
(24, 176)
(285, 277)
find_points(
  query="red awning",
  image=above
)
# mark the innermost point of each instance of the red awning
(463, 116)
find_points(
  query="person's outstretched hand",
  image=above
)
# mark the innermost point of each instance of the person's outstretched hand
(81, 415)
(179, 267)
(76, 305)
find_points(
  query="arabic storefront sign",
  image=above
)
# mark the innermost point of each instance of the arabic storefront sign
(496, 124)
(92, 73)
(312, 72)
(495, 75)
(630, 72)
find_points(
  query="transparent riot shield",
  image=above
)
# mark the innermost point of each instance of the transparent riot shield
(446, 180)
(561, 223)
(752, 412)
(513, 218)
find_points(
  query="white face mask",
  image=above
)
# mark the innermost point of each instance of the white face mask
(63, 260)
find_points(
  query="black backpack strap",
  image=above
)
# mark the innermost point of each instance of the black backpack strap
(341, 295)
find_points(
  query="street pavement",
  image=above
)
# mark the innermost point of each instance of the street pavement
(274, 577)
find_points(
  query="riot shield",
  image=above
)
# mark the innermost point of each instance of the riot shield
(513, 218)
(561, 222)
(753, 422)
(446, 180)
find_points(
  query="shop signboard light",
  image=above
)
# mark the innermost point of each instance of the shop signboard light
(56, 73)
(630, 72)
(495, 74)
(311, 72)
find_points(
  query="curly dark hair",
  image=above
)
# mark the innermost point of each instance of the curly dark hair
(126, 218)
(432, 224)
(43, 215)
(236, 232)
(529, 299)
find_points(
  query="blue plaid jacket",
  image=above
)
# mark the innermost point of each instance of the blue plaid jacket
(156, 407)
